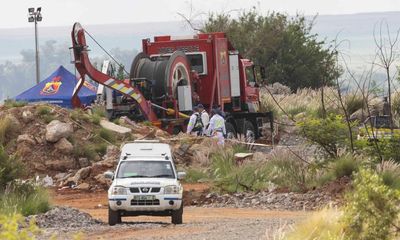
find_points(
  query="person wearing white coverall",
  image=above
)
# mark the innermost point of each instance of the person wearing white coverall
(204, 118)
(192, 122)
(216, 127)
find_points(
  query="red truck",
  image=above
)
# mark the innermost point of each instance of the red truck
(174, 73)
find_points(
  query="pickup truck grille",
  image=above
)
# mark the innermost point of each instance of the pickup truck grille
(155, 189)
(145, 202)
(134, 190)
(152, 190)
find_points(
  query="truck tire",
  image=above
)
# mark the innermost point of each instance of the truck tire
(248, 132)
(230, 131)
(114, 217)
(176, 217)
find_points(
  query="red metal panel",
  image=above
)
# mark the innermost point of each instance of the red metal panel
(222, 63)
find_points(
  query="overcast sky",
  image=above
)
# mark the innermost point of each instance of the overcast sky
(65, 12)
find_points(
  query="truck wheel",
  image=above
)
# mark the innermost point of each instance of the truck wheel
(113, 217)
(249, 133)
(176, 217)
(230, 131)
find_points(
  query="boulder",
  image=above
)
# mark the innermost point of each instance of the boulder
(112, 155)
(101, 179)
(82, 174)
(27, 116)
(64, 146)
(56, 130)
(61, 164)
(26, 138)
(84, 162)
(114, 127)
(83, 186)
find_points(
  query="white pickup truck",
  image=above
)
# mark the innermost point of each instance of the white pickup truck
(145, 183)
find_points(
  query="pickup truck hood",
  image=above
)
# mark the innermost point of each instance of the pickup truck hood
(149, 182)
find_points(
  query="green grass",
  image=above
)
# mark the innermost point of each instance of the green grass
(321, 225)
(345, 166)
(100, 148)
(87, 150)
(8, 130)
(79, 115)
(95, 119)
(231, 177)
(43, 110)
(99, 111)
(107, 135)
(10, 168)
(194, 175)
(12, 103)
(391, 179)
(24, 198)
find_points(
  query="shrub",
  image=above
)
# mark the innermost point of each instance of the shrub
(10, 168)
(107, 135)
(194, 175)
(345, 165)
(43, 110)
(353, 102)
(14, 226)
(230, 177)
(389, 148)
(86, 150)
(99, 111)
(390, 173)
(100, 148)
(322, 225)
(371, 209)
(79, 115)
(24, 198)
(12, 103)
(329, 134)
(8, 129)
(95, 119)
(288, 171)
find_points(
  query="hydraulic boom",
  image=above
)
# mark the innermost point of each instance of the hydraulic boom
(84, 67)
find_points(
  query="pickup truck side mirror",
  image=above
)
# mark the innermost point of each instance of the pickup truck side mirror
(181, 175)
(109, 175)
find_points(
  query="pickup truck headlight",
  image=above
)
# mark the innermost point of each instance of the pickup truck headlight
(118, 190)
(171, 189)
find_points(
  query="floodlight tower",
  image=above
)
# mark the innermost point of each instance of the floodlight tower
(36, 16)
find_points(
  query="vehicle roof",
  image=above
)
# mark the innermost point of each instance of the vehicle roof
(146, 150)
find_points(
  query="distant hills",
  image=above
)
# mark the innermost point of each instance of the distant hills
(356, 29)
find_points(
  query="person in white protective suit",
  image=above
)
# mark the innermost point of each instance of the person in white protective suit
(195, 125)
(205, 118)
(216, 127)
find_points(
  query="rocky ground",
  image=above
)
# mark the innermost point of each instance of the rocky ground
(269, 200)
(51, 145)
(87, 214)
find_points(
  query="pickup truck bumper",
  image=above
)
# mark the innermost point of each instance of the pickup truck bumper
(130, 203)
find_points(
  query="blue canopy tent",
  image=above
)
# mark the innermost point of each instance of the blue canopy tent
(58, 89)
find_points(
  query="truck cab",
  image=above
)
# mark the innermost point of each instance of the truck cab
(145, 183)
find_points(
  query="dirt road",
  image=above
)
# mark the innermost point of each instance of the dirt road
(199, 222)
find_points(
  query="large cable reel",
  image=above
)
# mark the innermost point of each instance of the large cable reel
(166, 73)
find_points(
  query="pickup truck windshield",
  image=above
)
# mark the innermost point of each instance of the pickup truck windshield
(145, 169)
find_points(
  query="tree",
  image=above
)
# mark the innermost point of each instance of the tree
(285, 45)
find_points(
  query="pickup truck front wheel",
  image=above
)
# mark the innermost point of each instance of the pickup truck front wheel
(176, 217)
(114, 217)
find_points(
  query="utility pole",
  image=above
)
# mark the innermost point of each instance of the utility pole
(36, 16)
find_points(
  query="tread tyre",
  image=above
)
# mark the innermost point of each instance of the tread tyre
(113, 217)
(177, 217)
(230, 131)
(249, 133)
